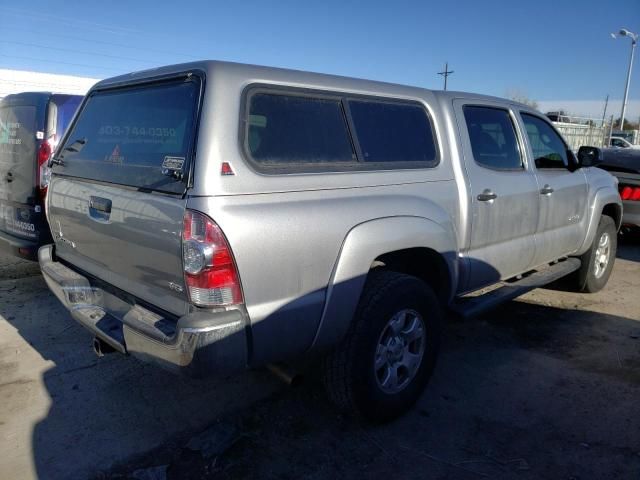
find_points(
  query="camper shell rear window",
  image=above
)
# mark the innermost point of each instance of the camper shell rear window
(140, 136)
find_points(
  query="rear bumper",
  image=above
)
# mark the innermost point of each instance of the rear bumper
(19, 247)
(198, 344)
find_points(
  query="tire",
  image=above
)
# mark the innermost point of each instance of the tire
(386, 325)
(597, 262)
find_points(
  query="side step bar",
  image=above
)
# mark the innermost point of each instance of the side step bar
(471, 306)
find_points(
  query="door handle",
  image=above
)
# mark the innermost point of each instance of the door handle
(9, 177)
(100, 209)
(487, 196)
(100, 204)
(546, 190)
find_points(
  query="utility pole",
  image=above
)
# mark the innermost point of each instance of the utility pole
(610, 132)
(604, 114)
(446, 73)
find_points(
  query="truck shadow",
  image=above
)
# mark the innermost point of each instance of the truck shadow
(629, 247)
(524, 390)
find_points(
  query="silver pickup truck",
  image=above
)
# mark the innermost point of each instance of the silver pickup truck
(214, 216)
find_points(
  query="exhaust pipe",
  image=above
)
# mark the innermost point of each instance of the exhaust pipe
(101, 347)
(293, 379)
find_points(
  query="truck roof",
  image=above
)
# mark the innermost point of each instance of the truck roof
(295, 76)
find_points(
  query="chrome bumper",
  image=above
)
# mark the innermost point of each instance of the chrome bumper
(198, 344)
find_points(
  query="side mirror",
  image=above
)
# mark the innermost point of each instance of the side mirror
(589, 156)
(573, 162)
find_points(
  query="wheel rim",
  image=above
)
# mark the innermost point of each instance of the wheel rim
(399, 351)
(603, 252)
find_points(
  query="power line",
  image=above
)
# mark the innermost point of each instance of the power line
(67, 20)
(117, 57)
(102, 42)
(44, 60)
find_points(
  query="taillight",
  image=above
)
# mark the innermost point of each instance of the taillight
(44, 172)
(210, 271)
(630, 193)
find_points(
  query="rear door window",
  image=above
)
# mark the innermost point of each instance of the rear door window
(296, 129)
(17, 134)
(140, 137)
(493, 138)
(390, 132)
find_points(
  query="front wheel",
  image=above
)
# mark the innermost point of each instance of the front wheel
(597, 262)
(383, 364)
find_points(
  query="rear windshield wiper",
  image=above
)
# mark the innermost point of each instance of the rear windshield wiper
(76, 145)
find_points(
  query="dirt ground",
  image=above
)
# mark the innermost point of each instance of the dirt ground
(544, 387)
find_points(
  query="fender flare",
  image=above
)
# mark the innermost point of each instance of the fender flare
(602, 197)
(362, 245)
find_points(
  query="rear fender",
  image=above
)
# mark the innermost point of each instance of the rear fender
(362, 245)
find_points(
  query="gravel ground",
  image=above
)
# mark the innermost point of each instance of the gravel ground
(546, 386)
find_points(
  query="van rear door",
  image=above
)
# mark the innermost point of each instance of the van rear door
(19, 125)
(116, 198)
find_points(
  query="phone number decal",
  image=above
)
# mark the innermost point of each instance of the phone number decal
(127, 131)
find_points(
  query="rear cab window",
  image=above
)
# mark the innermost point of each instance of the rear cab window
(139, 136)
(292, 131)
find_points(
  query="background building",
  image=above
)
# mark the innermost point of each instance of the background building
(15, 81)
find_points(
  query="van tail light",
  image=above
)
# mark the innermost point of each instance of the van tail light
(630, 193)
(210, 272)
(44, 172)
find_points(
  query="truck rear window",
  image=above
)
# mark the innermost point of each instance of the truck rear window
(140, 137)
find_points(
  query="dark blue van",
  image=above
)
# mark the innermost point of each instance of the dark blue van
(31, 125)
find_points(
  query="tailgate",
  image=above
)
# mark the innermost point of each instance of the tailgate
(116, 198)
(129, 239)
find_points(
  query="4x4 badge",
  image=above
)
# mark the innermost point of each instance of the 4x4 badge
(175, 287)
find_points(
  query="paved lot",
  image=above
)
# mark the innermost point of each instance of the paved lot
(547, 386)
(67, 414)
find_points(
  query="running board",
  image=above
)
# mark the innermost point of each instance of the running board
(471, 306)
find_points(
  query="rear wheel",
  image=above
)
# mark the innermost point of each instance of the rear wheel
(383, 364)
(597, 262)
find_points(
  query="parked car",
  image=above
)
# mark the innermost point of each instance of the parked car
(619, 142)
(31, 124)
(215, 216)
(625, 165)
